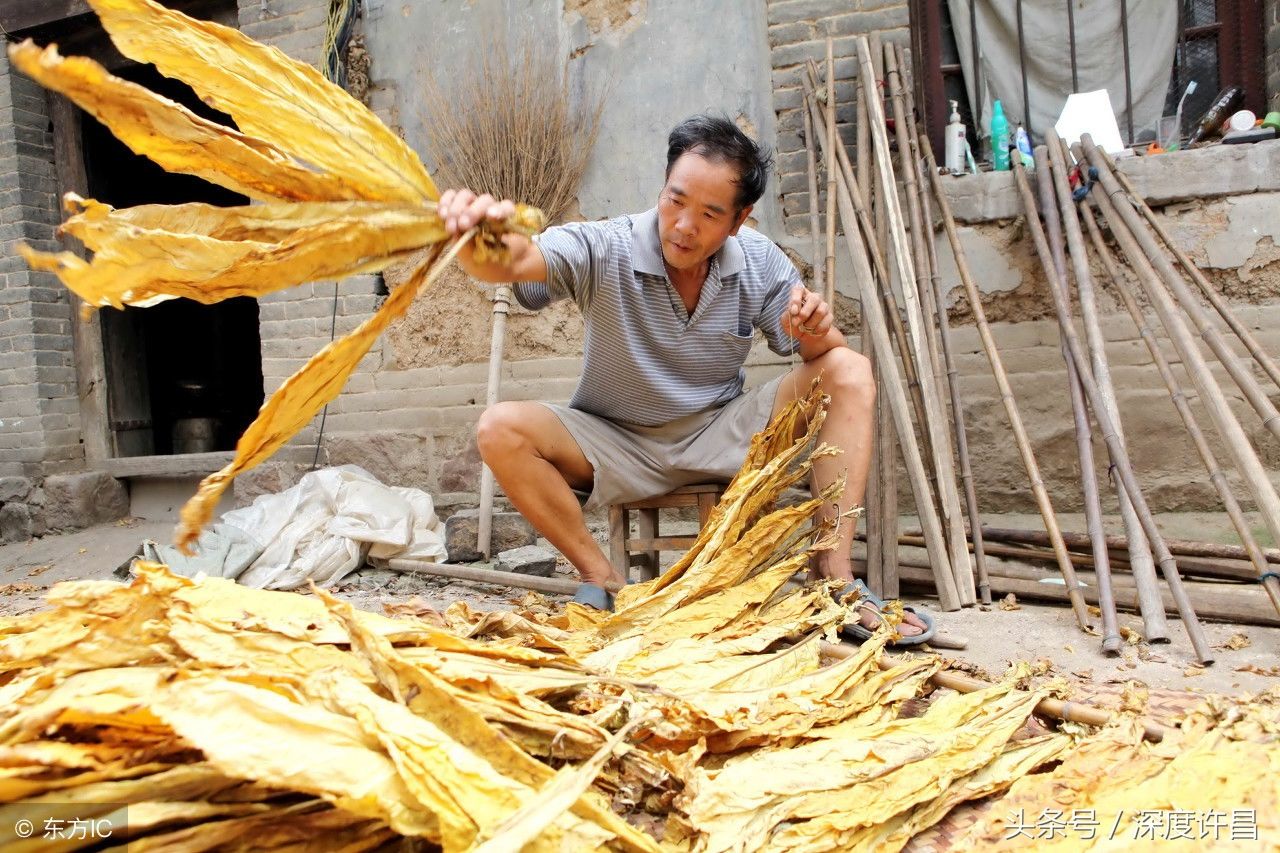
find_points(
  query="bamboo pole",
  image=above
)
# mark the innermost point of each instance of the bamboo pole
(1118, 456)
(1057, 708)
(1122, 220)
(829, 292)
(1216, 476)
(905, 269)
(497, 344)
(1078, 605)
(811, 164)
(953, 388)
(1182, 294)
(1179, 547)
(1055, 273)
(878, 491)
(948, 495)
(1251, 343)
(847, 191)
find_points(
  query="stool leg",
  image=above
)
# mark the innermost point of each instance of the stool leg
(618, 540)
(647, 528)
(706, 502)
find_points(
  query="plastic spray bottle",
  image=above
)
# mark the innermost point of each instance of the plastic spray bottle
(1023, 143)
(999, 138)
(955, 142)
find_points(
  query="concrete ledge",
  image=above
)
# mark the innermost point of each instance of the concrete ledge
(180, 465)
(1220, 170)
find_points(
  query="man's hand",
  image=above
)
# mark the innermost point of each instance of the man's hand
(462, 209)
(808, 315)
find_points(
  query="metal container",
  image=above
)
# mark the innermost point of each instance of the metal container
(195, 435)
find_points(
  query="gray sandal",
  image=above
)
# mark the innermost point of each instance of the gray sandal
(594, 595)
(858, 633)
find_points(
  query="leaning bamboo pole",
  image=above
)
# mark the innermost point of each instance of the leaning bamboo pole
(953, 388)
(829, 292)
(1182, 294)
(948, 496)
(497, 344)
(1251, 343)
(1119, 459)
(847, 190)
(1055, 273)
(811, 165)
(1216, 476)
(905, 268)
(1144, 570)
(1078, 605)
(1122, 220)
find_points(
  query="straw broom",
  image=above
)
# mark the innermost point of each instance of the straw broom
(1119, 458)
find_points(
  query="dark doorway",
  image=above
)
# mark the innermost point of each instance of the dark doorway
(181, 377)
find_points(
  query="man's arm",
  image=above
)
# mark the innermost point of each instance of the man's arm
(810, 320)
(462, 209)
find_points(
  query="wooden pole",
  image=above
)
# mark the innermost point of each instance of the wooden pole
(1055, 273)
(1140, 559)
(497, 344)
(829, 293)
(1251, 550)
(1078, 605)
(811, 163)
(948, 495)
(1255, 349)
(1118, 456)
(1056, 708)
(1182, 294)
(1179, 547)
(915, 322)
(1122, 219)
(878, 491)
(847, 190)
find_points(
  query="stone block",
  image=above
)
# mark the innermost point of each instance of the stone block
(510, 530)
(75, 501)
(269, 478)
(14, 489)
(529, 560)
(15, 523)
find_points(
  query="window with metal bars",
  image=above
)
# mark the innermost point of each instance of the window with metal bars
(1220, 44)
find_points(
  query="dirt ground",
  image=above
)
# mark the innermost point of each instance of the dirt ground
(995, 638)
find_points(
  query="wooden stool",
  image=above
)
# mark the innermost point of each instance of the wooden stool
(643, 550)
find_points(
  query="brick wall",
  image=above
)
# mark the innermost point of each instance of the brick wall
(798, 30)
(39, 407)
(1271, 17)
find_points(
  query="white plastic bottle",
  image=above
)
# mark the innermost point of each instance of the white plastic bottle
(953, 156)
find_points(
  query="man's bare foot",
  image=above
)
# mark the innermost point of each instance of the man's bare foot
(910, 626)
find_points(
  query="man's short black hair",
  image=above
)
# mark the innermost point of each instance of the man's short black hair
(720, 140)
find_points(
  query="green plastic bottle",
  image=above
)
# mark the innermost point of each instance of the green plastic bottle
(999, 139)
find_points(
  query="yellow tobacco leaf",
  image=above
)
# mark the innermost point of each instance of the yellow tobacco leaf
(144, 255)
(177, 139)
(282, 101)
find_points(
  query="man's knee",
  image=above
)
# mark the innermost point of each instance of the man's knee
(847, 373)
(501, 431)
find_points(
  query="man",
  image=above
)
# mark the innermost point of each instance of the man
(671, 299)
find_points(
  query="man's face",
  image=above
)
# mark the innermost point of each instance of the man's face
(696, 211)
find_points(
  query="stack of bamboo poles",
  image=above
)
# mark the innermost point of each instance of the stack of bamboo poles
(888, 223)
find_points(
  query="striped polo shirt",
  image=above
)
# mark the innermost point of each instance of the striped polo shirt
(646, 360)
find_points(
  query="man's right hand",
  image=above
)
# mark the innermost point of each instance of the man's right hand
(462, 209)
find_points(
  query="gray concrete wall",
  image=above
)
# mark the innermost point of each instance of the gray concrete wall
(1271, 20)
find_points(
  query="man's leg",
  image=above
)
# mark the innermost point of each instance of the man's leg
(848, 381)
(538, 463)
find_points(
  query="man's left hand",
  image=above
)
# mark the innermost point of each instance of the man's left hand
(807, 315)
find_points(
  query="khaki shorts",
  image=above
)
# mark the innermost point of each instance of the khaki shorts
(633, 462)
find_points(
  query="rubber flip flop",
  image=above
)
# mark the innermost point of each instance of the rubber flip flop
(594, 595)
(859, 633)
